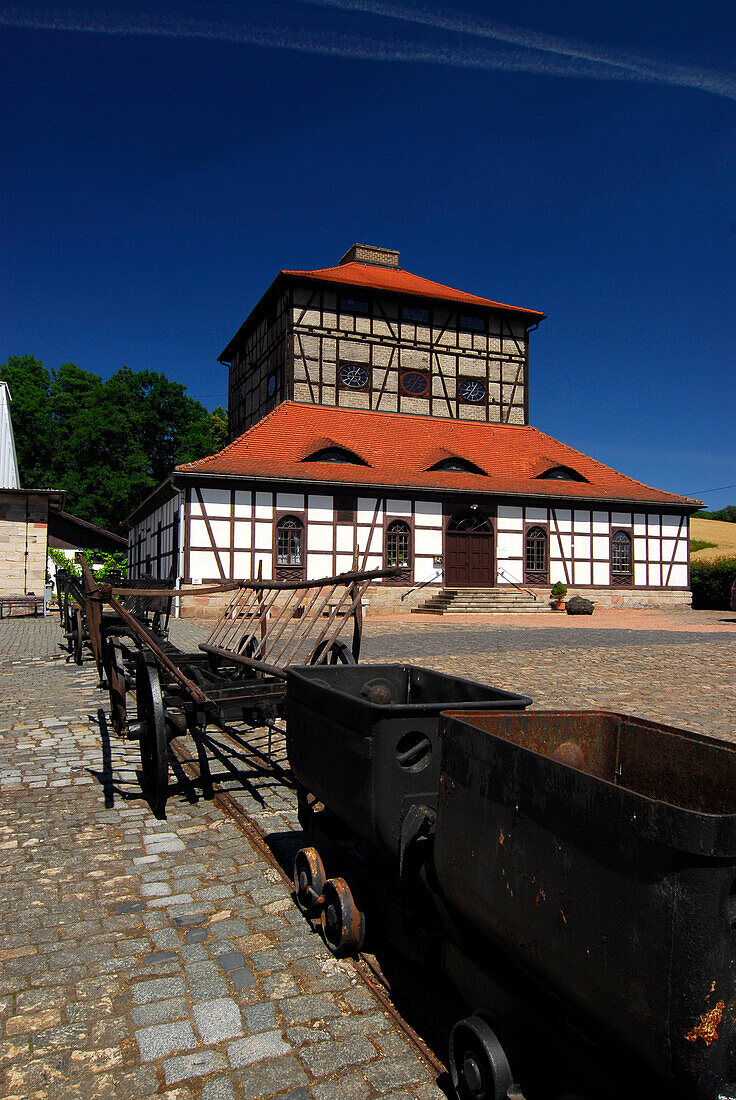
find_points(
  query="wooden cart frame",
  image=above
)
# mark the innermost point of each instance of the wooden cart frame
(237, 674)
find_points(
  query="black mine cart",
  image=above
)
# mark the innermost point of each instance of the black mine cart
(598, 852)
(363, 742)
(573, 874)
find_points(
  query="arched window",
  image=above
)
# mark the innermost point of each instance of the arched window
(289, 531)
(621, 554)
(398, 544)
(535, 556)
(472, 520)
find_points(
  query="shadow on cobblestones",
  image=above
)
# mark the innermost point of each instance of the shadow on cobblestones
(141, 957)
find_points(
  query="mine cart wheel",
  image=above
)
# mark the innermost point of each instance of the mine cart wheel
(153, 738)
(309, 878)
(77, 635)
(337, 654)
(343, 924)
(478, 1065)
(116, 684)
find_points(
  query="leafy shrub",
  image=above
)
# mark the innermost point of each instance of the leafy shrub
(101, 563)
(711, 582)
(700, 544)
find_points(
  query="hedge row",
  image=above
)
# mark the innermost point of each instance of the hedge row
(711, 582)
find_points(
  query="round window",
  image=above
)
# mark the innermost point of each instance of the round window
(354, 376)
(271, 385)
(415, 383)
(470, 390)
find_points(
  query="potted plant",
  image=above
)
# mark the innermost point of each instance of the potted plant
(559, 591)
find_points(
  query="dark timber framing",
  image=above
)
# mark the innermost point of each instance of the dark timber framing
(231, 524)
(300, 335)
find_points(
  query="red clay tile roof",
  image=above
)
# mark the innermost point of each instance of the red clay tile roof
(402, 282)
(400, 448)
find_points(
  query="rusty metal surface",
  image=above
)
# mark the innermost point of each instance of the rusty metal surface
(606, 876)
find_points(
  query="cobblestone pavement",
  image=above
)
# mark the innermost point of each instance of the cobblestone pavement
(142, 958)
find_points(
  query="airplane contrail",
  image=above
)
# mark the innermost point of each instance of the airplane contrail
(514, 50)
(645, 68)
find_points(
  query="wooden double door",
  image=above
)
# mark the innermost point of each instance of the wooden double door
(469, 558)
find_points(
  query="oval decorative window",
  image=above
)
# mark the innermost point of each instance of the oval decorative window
(354, 376)
(471, 390)
(415, 382)
(271, 385)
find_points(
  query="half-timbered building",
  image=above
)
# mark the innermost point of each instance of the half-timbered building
(377, 414)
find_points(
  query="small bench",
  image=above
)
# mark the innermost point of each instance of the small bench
(24, 604)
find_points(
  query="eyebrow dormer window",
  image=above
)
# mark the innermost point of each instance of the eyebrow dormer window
(456, 465)
(336, 454)
(561, 473)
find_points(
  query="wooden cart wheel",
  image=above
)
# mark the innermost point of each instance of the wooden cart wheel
(309, 878)
(116, 684)
(77, 635)
(337, 654)
(153, 737)
(343, 924)
(478, 1065)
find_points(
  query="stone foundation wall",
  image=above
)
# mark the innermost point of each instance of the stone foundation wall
(23, 527)
(379, 600)
(633, 598)
(386, 600)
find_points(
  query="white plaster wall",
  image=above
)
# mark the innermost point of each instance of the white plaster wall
(510, 518)
(678, 575)
(264, 537)
(427, 513)
(366, 510)
(427, 542)
(424, 569)
(202, 563)
(318, 565)
(344, 538)
(264, 506)
(216, 502)
(320, 536)
(319, 507)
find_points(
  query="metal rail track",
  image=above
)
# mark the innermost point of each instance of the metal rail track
(365, 965)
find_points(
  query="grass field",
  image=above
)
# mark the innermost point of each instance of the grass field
(720, 533)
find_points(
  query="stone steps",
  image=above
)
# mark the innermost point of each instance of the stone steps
(483, 601)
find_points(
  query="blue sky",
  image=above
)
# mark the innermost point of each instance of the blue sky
(162, 161)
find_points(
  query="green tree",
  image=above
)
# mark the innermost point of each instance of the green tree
(107, 443)
(29, 383)
(728, 514)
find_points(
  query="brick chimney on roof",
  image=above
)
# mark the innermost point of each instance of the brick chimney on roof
(366, 254)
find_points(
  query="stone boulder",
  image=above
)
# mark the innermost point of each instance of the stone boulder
(578, 605)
